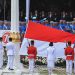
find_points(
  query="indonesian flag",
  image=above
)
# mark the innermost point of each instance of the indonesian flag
(43, 35)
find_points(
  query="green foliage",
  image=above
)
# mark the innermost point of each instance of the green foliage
(42, 61)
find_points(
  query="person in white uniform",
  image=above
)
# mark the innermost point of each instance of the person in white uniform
(10, 47)
(1, 53)
(50, 58)
(74, 57)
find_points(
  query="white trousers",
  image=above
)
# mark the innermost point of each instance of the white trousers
(74, 66)
(50, 66)
(10, 61)
(31, 65)
(69, 67)
(1, 60)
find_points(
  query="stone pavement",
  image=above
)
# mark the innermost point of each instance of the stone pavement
(39, 70)
(24, 72)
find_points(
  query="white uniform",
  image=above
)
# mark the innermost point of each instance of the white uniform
(10, 53)
(74, 60)
(50, 59)
(1, 54)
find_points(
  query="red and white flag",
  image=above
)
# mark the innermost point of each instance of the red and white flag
(43, 35)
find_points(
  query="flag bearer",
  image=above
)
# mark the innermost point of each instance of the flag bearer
(32, 52)
(50, 58)
(69, 53)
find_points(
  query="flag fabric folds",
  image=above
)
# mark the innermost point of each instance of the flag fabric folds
(41, 32)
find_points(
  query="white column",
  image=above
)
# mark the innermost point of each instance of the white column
(27, 12)
(14, 15)
(27, 9)
(15, 29)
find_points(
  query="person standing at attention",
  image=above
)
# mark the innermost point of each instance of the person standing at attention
(74, 57)
(1, 53)
(10, 47)
(50, 58)
(32, 52)
(69, 53)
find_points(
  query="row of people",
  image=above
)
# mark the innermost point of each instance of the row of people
(51, 15)
(61, 25)
(51, 57)
(68, 51)
(32, 53)
(7, 26)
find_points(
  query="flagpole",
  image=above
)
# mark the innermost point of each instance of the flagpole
(27, 15)
(27, 11)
